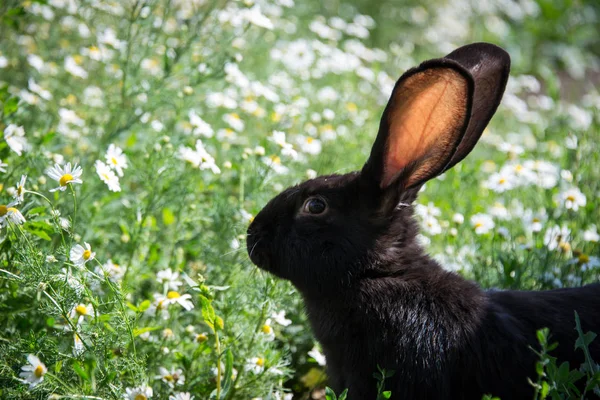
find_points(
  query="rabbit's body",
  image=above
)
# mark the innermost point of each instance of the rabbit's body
(440, 348)
(373, 296)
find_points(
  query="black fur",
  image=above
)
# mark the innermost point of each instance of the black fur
(374, 297)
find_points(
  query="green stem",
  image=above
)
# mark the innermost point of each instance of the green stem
(119, 297)
(218, 346)
(74, 210)
(260, 322)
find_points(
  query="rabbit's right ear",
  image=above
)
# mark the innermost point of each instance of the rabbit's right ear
(435, 115)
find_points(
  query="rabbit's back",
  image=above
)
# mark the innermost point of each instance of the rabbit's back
(440, 348)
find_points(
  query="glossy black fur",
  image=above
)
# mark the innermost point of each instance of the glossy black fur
(374, 297)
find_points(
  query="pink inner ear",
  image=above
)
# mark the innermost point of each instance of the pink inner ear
(428, 114)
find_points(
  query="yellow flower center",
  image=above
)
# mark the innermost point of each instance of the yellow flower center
(234, 116)
(38, 371)
(173, 295)
(260, 362)
(87, 254)
(140, 397)
(266, 329)
(71, 99)
(309, 140)
(275, 117)
(81, 309)
(535, 220)
(114, 160)
(94, 49)
(583, 258)
(564, 246)
(65, 179)
(3, 210)
(518, 167)
(168, 378)
(159, 305)
(276, 159)
(351, 107)
(478, 225)
(201, 338)
(502, 181)
(571, 197)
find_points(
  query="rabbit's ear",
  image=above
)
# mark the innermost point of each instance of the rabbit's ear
(489, 66)
(436, 114)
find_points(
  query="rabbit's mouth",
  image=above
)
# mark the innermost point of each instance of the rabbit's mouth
(260, 257)
(258, 251)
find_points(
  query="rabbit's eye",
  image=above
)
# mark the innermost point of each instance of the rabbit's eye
(314, 205)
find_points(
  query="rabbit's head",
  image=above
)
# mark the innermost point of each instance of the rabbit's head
(334, 230)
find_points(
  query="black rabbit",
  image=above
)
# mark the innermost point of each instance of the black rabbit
(373, 296)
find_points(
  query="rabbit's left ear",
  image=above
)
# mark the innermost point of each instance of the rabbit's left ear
(436, 114)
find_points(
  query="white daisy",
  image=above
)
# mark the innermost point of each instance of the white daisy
(80, 311)
(500, 182)
(3, 166)
(255, 364)
(499, 210)
(64, 176)
(234, 121)
(458, 218)
(482, 223)
(280, 318)
(557, 238)
(116, 159)
(107, 176)
(267, 331)
(571, 199)
(317, 356)
(183, 300)
(169, 278)
(152, 65)
(274, 162)
(534, 222)
(255, 16)
(72, 67)
(79, 255)
(33, 373)
(586, 262)
(171, 378)
(8, 213)
(430, 210)
(309, 145)
(20, 189)
(431, 225)
(201, 127)
(199, 157)
(37, 89)
(15, 138)
(591, 234)
(143, 392)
